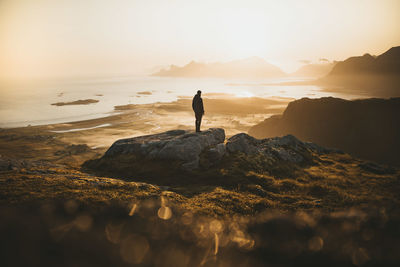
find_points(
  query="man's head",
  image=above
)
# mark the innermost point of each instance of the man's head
(199, 92)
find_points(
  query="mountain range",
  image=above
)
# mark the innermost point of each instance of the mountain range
(371, 75)
(253, 67)
(353, 70)
(314, 70)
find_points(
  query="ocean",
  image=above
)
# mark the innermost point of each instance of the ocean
(29, 103)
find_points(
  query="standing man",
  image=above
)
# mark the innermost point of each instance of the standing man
(198, 108)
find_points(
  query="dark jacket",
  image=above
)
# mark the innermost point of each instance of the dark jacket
(197, 104)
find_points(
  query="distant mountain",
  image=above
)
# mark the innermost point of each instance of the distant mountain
(314, 70)
(386, 64)
(156, 68)
(368, 128)
(372, 75)
(252, 67)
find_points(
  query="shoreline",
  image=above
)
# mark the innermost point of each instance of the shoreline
(182, 103)
(47, 141)
(71, 104)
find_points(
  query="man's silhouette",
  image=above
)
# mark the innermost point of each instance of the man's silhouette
(198, 108)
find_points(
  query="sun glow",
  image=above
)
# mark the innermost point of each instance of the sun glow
(47, 38)
(244, 94)
(245, 33)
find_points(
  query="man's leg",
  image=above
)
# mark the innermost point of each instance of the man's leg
(200, 117)
(198, 121)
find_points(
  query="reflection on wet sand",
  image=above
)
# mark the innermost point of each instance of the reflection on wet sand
(81, 129)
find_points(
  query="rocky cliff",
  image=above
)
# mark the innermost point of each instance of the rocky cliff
(368, 128)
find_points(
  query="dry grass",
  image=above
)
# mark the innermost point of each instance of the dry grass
(234, 187)
(332, 211)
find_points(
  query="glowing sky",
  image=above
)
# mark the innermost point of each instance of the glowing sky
(83, 37)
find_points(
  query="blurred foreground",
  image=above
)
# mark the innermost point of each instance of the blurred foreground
(149, 234)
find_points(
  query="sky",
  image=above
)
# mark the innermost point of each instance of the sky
(57, 38)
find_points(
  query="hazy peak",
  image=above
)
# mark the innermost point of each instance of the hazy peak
(252, 67)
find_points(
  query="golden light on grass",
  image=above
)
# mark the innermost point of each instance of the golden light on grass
(316, 243)
(83, 222)
(242, 240)
(71, 206)
(57, 233)
(133, 209)
(164, 213)
(163, 199)
(113, 232)
(187, 218)
(216, 243)
(134, 248)
(216, 226)
(360, 256)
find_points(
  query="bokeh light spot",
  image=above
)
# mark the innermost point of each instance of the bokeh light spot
(316, 243)
(134, 248)
(83, 222)
(164, 213)
(113, 232)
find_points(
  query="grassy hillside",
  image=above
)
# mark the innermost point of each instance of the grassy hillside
(330, 210)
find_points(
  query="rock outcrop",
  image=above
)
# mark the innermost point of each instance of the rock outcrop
(176, 145)
(287, 148)
(168, 153)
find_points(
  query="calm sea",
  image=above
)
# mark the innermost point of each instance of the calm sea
(23, 104)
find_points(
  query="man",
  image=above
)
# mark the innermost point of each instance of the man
(198, 108)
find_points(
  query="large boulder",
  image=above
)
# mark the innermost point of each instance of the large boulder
(243, 143)
(176, 145)
(287, 148)
(166, 154)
